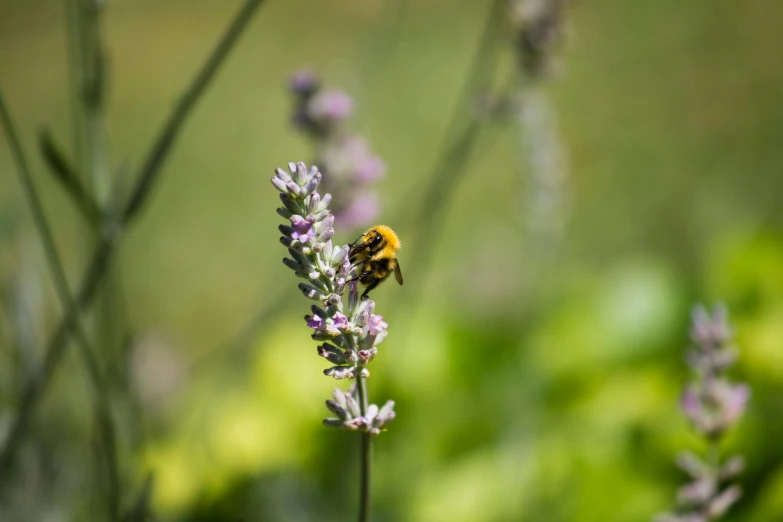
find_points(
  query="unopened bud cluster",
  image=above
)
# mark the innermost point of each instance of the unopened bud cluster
(349, 416)
(713, 404)
(348, 329)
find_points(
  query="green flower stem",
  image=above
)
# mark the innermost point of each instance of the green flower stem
(88, 77)
(365, 456)
(67, 301)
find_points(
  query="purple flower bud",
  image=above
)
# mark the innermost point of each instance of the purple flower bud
(377, 325)
(320, 312)
(302, 229)
(326, 235)
(293, 188)
(691, 464)
(339, 256)
(327, 221)
(732, 468)
(724, 501)
(316, 322)
(691, 403)
(339, 397)
(735, 401)
(366, 356)
(290, 263)
(350, 401)
(709, 331)
(340, 321)
(355, 424)
(331, 353)
(372, 411)
(279, 184)
(696, 492)
(284, 176)
(313, 202)
(337, 410)
(340, 372)
(321, 335)
(285, 230)
(301, 173)
(387, 412)
(311, 292)
(312, 184)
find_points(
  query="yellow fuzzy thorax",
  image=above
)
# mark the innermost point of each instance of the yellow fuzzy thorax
(392, 241)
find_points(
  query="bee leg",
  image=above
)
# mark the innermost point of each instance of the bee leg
(360, 276)
(370, 287)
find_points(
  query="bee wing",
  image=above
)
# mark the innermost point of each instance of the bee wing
(398, 273)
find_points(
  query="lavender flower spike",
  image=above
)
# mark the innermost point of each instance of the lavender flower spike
(352, 330)
(713, 405)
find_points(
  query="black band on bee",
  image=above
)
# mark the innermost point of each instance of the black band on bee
(377, 242)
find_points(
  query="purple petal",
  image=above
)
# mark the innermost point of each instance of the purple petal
(340, 321)
(316, 322)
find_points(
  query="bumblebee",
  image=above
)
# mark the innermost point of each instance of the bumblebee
(374, 253)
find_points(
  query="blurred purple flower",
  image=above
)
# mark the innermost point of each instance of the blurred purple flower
(712, 404)
(710, 332)
(330, 106)
(690, 403)
(348, 163)
(370, 169)
(735, 400)
(303, 81)
(361, 211)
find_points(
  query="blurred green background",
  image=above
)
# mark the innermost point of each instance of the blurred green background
(529, 385)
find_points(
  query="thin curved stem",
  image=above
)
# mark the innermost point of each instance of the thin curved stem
(461, 137)
(68, 302)
(365, 456)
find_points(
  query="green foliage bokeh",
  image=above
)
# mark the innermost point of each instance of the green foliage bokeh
(527, 388)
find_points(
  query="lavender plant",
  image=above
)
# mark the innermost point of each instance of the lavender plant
(713, 404)
(350, 167)
(347, 328)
